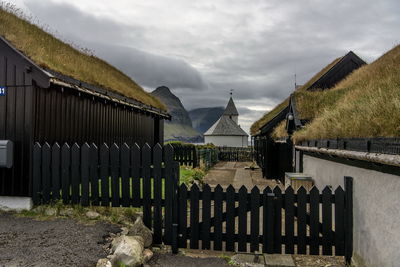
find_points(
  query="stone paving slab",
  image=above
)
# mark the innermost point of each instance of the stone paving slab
(278, 260)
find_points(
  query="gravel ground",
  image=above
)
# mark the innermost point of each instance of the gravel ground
(170, 260)
(60, 242)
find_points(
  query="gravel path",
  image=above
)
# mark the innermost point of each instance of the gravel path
(59, 242)
(170, 260)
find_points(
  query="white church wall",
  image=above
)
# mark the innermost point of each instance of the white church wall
(230, 141)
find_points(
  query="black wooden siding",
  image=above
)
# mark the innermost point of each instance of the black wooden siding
(67, 115)
(31, 112)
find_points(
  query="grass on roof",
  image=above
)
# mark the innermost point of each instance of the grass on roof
(49, 52)
(279, 131)
(271, 114)
(255, 127)
(367, 104)
(317, 76)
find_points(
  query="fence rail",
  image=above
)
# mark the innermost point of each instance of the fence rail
(279, 221)
(109, 176)
(235, 154)
(185, 154)
(207, 158)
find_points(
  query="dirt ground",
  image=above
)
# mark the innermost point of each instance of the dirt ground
(170, 260)
(60, 242)
(237, 174)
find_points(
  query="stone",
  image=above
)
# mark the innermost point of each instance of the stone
(92, 215)
(128, 250)
(124, 231)
(278, 260)
(68, 212)
(140, 229)
(103, 263)
(248, 260)
(147, 255)
(50, 211)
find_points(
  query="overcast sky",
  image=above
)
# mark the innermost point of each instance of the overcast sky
(202, 49)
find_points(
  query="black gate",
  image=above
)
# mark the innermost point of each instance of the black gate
(271, 221)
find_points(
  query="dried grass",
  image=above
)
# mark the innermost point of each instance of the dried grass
(279, 131)
(255, 127)
(271, 114)
(47, 51)
(367, 104)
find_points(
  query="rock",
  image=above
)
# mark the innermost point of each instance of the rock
(39, 209)
(128, 250)
(67, 212)
(50, 211)
(124, 231)
(147, 255)
(140, 229)
(103, 263)
(92, 215)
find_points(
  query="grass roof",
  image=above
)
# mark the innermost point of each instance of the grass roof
(52, 53)
(271, 114)
(365, 104)
(279, 131)
(255, 127)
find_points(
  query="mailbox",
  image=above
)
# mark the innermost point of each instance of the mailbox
(6, 153)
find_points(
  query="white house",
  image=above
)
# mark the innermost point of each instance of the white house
(226, 131)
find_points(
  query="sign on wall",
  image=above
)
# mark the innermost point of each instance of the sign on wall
(3, 90)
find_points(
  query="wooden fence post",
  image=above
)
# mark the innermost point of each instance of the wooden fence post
(348, 185)
(36, 177)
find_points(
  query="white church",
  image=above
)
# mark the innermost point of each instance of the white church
(226, 131)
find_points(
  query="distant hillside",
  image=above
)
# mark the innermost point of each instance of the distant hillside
(204, 118)
(180, 127)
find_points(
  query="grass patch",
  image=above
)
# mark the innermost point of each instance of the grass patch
(117, 215)
(49, 52)
(365, 104)
(188, 175)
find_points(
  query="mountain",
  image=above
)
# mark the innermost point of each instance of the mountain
(204, 118)
(180, 127)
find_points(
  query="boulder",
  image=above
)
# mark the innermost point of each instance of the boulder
(128, 250)
(68, 212)
(139, 229)
(50, 211)
(103, 263)
(147, 255)
(92, 215)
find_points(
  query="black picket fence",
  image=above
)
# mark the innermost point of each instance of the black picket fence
(109, 176)
(270, 221)
(207, 158)
(235, 153)
(185, 154)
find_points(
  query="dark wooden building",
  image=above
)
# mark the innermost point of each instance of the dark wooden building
(40, 105)
(276, 158)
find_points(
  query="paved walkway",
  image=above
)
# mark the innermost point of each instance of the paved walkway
(237, 174)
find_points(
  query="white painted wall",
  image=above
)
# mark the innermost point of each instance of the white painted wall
(230, 141)
(15, 203)
(376, 209)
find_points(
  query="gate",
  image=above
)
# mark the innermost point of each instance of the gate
(271, 221)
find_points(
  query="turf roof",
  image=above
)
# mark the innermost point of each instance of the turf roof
(51, 53)
(275, 111)
(365, 104)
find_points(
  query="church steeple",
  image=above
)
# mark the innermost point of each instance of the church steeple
(231, 111)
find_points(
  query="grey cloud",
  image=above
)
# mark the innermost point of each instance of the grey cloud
(110, 41)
